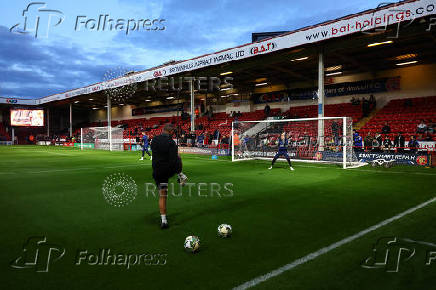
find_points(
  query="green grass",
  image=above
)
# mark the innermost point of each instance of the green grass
(277, 216)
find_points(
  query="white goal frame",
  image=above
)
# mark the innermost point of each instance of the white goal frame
(344, 141)
(112, 142)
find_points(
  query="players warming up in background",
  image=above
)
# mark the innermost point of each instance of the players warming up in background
(166, 163)
(283, 151)
(144, 143)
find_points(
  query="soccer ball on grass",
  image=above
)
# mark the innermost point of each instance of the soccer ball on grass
(192, 244)
(224, 230)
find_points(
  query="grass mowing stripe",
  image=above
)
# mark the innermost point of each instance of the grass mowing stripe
(327, 249)
(75, 169)
(58, 170)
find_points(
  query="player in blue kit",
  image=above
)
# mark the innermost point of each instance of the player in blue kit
(144, 143)
(282, 151)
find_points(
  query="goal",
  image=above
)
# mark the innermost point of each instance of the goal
(318, 140)
(102, 138)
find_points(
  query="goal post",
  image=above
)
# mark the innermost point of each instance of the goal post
(333, 143)
(102, 138)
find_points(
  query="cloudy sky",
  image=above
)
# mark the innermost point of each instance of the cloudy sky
(63, 57)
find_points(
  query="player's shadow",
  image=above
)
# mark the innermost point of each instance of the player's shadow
(154, 218)
(180, 217)
(183, 217)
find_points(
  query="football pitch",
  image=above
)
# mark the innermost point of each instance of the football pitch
(278, 217)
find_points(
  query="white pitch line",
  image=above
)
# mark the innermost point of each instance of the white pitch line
(327, 249)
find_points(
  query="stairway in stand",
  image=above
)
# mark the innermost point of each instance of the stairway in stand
(365, 120)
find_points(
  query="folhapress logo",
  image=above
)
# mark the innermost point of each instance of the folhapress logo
(38, 254)
(389, 253)
(38, 20)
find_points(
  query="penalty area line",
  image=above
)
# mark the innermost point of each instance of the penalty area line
(329, 248)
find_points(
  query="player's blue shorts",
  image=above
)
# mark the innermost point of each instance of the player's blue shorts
(283, 153)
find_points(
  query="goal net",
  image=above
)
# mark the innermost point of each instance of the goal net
(102, 138)
(320, 140)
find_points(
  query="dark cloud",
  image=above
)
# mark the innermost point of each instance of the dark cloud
(28, 69)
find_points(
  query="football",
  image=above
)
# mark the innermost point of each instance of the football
(192, 244)
(224, 230)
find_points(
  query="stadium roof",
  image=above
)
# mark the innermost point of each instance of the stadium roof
(293, 55)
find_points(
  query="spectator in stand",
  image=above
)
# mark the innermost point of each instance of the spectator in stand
(399, 142)
(209, 113)
(183, 140)
(413, 145)
(368, 142)
(267, 110)
(365, 107)
(421, 128)
(372, 102)
(386, 129)
(408, 103)
(377, 143)
(431, 128)
(200, 140)
(428, 137)
(216, 134)
(335, 132)
(387, 144)
(355, 101)
(192, 138)
(358, 142)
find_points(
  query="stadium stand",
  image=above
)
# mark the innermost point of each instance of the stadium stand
(344, 109)
(404, 115)
(4, 136)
